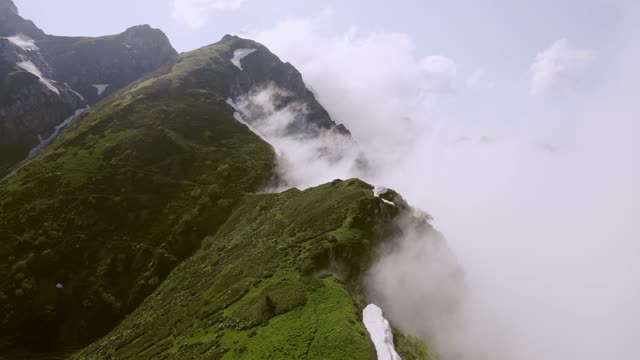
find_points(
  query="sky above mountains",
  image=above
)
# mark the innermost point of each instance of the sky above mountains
(487, 59)
(487, 39)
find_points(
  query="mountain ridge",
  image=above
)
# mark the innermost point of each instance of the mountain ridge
(129, 151)
(44, 79)
(139, 231)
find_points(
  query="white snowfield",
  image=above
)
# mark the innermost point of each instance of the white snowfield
(24, 42)
(380, 332)
(380, 190)
(238, 116)
(101, 88)
(240, 54)
(32, 68)
(75, 92)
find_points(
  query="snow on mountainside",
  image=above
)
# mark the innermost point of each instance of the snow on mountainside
(380, 332)
(24, 42)
(240, 54)
(101, 88)
(45, 79)
(33, 69)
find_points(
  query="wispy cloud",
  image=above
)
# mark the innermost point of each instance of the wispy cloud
(558, 68)
(353, 69)
(194, 13)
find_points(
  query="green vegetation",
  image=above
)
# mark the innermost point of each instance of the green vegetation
(108, 210)
(280, 279)
(140, 222)
(411, 348)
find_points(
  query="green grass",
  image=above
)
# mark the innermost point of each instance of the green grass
(280, 279)
(328, 327)
(126, 193)
(143, 209)
(411, 348)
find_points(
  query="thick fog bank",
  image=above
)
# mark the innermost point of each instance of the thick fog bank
(538, 202)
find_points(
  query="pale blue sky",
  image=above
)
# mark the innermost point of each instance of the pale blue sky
(480, 29)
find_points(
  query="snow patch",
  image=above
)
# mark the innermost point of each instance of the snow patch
(101, 88)
(23, 41)
(75, 92)
(238, 116)
(379, 190)
(240, 54)
(32, 68)
(126, 45)
(380, 332)
(231, 103)
(388, 202)
(56, 131)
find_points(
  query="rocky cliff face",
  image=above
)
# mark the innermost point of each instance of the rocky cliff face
(250, 66)
(262, 67)
(12, 23)
(44, 79)
(90, 64)
(8, 6)
(31, 103)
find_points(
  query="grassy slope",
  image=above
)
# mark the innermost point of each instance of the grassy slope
(123, 196)
(267, 285)
(133, 187)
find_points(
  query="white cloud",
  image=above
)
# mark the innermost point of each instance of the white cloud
(558, 68)
(478, 81)
(353, 69)
(552, 233)
(194, 13)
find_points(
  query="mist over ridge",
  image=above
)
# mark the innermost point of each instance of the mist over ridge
(540, 216)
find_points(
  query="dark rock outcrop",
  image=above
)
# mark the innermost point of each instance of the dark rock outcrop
(261, 69)
(12, 23)
(114, 60)
(30, 108)
(46, 81)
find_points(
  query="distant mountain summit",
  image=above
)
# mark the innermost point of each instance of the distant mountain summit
(261, 68)
(12, 23)
(8, 7)
(45, 79)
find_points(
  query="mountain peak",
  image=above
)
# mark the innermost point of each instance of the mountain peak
(11, 23)
(7, 6)
(142, 27)
(147, 36)
(229, 37)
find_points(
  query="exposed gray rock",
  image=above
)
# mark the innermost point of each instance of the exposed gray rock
(30, 108)
(263, 68)
(12, 23)
(115, 60)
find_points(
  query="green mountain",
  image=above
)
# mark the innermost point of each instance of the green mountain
(278, 278)
(45, 79)
(139, 232)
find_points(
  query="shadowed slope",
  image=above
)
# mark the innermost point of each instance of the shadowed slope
(95, 222)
